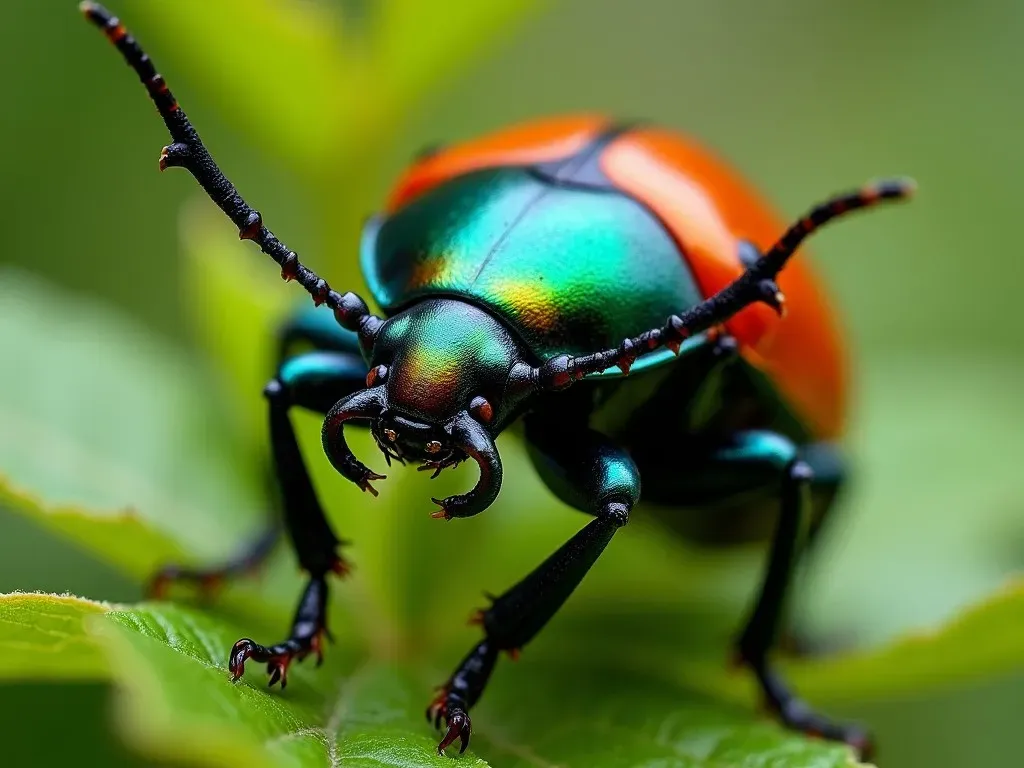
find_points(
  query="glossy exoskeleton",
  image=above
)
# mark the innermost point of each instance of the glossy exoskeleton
(522, 277)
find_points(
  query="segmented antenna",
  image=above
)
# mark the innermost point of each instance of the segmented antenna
(187, 151)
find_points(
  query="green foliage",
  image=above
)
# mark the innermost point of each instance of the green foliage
(42, 637)
(332, 87)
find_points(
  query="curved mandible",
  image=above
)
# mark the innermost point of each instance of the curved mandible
(473, 439)
(364, 404)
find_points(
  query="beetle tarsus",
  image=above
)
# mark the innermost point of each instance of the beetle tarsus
(457, 721)
(309, 627)
(277, 657)
(208, 580)
(796, 714)
(459, 727)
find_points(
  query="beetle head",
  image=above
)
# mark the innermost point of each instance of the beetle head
(438, 392)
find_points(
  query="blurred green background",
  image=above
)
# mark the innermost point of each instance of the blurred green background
(805, 97)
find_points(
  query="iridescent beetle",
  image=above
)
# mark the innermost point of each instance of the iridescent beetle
(523, 276)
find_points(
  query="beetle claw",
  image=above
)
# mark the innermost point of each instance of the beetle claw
(367, 478)
(459, 726)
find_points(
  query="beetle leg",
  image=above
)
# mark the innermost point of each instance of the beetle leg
(308, 630)
(307, 327)
(591, 474)
(751, 467)
(209, 580)
(314, 381)
(763, 626)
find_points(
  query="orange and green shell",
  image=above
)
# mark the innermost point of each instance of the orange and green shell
(577, 234)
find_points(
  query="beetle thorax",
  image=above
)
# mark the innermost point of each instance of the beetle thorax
(441, 356)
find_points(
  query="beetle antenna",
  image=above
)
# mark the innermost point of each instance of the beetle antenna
(821, 214)
(187, 151)
(757, 283)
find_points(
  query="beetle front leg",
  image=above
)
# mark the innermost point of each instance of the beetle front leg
(314, 381)
(591, 474)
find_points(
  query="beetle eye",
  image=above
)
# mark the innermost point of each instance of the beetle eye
(481, 410)
(391, 435)
(433, 446)
(377, 375)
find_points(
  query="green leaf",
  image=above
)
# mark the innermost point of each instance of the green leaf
(120, 538)
(568, 704)
(42, 637)
(417, 42)
(317, 88)
(280, 72)
(99, 413)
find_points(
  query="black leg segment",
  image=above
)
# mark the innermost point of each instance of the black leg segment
(745, 469)
(307, 634)
(314, 381)
(591, 474)
(209, 579)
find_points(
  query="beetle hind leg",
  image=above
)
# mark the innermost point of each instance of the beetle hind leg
(762, 629)
(761, 470)
(208, 580)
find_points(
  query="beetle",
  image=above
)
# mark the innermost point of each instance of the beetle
(521, 277)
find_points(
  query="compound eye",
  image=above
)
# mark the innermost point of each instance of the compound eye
(377, 375)
(433, 446)
(391, 435)
(481, 410)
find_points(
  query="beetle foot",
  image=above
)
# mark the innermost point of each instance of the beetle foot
(459, 726)
(277, 657)
(365, 480)
(799, 716)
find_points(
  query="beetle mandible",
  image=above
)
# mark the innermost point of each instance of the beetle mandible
(522, 276)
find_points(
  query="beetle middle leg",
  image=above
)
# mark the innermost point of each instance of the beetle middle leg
(315, 380)
(745, 469)
(588, 472)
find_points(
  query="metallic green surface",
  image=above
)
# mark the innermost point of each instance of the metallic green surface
(760, 447)
(314, 366)
(317, 326)
(571, 270)
(585, 472)
(440, 354)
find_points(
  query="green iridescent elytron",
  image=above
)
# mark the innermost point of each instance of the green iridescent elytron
(522, 292)
(529, 252)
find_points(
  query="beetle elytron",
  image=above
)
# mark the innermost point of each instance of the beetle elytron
(522, 276)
